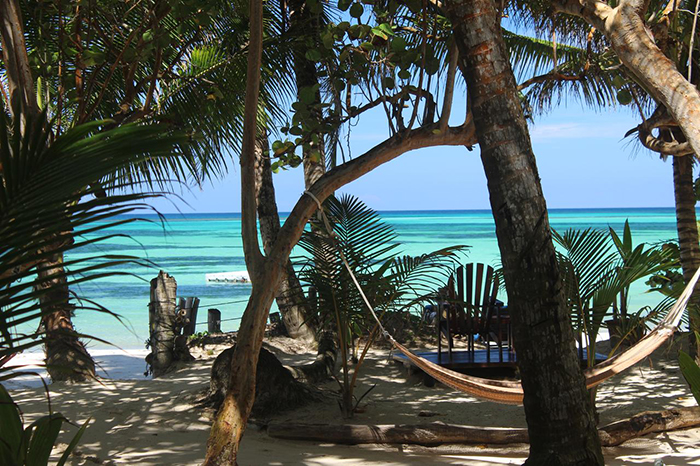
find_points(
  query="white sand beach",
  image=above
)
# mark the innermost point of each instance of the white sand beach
(138, 420)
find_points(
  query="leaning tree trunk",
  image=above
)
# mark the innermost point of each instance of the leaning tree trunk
(232, 418)
(687, 225)
(290, 296)
(304, 25)
(66, 356)
(560, 418)
(624, 26)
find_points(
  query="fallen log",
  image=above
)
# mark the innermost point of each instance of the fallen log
(432, 434)
(438, 433)
(649, 422)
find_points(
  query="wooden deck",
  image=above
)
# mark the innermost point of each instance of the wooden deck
(477, 359)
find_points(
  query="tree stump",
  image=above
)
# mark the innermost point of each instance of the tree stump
(276, 389)
(162, 323)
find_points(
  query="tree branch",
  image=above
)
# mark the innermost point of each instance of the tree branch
(338, 177)
(449, 88)
(249, 227)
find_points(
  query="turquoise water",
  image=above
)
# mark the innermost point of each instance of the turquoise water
(190, 246)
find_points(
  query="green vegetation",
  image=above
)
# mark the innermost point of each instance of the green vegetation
(598, 268)
(391, 283)
(31, 445)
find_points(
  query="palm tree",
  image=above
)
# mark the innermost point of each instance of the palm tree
(173, 64)
(551, 377)
(391, 283)
(651, 78)
(43, 199)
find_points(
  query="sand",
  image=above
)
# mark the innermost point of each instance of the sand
(138, 420)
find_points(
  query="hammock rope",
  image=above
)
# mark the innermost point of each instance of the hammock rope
(511, 392)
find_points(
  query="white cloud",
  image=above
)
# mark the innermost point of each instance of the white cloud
(574, 130)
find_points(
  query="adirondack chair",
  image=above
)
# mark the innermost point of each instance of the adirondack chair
(470, 308)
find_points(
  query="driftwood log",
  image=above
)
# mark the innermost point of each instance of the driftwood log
(438, 433)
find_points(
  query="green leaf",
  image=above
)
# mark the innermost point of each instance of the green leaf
(73, 443)
(379, 33)
(618, 81)
(307, 95)
(404, 74)
(398, 44)
(432, 65)
(414, 5)
(691, 373)
(313, 55)
(46, 430)
(388, 82)
(10, 427)
(343, 5)
(356, 10)
(328, 42)
(387, 29)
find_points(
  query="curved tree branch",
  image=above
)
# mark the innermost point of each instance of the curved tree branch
(624, 27)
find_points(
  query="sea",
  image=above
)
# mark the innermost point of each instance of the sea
(192, 245)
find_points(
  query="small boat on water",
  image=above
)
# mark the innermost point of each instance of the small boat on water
(228, 277)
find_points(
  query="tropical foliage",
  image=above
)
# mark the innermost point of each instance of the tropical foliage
(31, 445)
(598, 268)
(47, 195)
(691, 372)
(358, 240)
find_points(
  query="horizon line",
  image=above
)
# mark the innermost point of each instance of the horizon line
(438, 210)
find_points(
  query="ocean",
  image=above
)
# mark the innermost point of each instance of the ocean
(192, 245)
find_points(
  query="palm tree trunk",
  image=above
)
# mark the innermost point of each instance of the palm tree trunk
(290, 296)
(687, 225)
(66, 357)
(304, 25)
(560, 418)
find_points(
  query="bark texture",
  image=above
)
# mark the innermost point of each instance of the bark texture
(624, 27)
(290, 296)
(435, 434)
(560, 418)
(232, 417)
(304, 25)
(162, 321)
(276, 389)
(66, 356)
(14, 52)
(687, 225)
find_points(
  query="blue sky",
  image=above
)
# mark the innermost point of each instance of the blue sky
(583, 160)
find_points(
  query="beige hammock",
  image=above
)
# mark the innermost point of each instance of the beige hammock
(511, 392)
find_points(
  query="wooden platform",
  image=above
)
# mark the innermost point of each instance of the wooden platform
(464, 359)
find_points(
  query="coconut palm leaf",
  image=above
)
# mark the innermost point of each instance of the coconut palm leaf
(44, 203)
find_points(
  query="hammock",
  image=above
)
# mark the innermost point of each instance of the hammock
(511, 392)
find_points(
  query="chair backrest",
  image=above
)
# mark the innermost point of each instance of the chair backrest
(477, 287)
